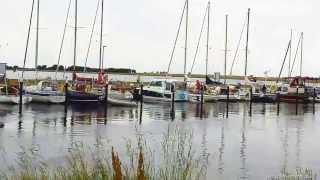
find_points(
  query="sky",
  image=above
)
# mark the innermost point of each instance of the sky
(139, 34)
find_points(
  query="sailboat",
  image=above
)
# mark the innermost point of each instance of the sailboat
(213, 90)
(296, 89)
(9, 94)
(44, 91)
(89, 90)
(161, 90)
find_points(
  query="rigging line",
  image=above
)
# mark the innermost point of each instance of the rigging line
(91, 36)
(238, 46)
(284, 60)
(295, 56)
(63, 36)
(175, 42)
(27, 43)
(199, 39)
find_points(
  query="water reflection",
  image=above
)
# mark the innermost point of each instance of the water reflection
(237, 142)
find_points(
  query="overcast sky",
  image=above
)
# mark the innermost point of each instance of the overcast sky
(140, 33)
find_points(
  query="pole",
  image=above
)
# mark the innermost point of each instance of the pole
(208, 37)
(106, 95)
(75, 36)
(226, 51)
(290, 54)
(102, 65)
(63, 36)
(314, 100)
(297, 93)
(250, 107)
(91, 35)
(20, 95)
(247, 44)
(278, 103)
(301, 54)
(37, 37)
(28, 38)
(66, 102)
(186, 41)
(101, 33)
(141, 102)
(201, 101)
(172, 101)
(228, 97)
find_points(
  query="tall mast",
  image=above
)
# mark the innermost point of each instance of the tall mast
(208, 37)
(75, 35)
(63, 36)
(37, 37)
(101, 32)
(186, 41)
(247, 44)
(226, 51)
(301, 54)
(102, 64)
(27, 43)
(290, 52)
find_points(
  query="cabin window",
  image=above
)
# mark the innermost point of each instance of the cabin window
(156, 83)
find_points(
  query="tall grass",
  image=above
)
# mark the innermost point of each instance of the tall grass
(175, 160)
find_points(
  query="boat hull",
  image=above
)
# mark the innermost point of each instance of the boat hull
(293, 98)
(84, 97)
(47, 97)
(11, 99)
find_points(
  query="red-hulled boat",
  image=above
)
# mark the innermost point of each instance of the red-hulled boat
(295, 91)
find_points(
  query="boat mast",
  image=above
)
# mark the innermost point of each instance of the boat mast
(290, 52)
(247, 44)
(101, 32)
(37, 37)
(208, 37)
(226, 51)
(75, 36)
(102, 64)
(186, 42)
(301, 54)
(91, 36)
(27, 43)
(63, 36)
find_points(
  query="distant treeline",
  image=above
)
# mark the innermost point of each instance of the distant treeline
(71, 68)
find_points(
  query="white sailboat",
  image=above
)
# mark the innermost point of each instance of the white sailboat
(45, 91)
(9, 94)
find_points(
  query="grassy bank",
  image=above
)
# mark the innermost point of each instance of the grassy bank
(176, 159)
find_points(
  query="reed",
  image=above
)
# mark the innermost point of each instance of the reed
(176, 160)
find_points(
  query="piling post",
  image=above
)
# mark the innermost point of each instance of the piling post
(250, 103)
(314, 100)
(278, 104)
(20, 95)
(201, 100)
(228, 98)
(297, 103)
(66, 100)
(106, 95)
(141, 102)
(172, 101)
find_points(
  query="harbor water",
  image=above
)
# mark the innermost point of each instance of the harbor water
(239, 147)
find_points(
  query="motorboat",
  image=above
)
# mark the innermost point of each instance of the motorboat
(161, 90)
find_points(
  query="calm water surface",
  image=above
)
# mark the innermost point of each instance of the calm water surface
(240, 147)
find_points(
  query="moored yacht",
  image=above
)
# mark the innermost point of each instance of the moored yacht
(46, 92)
(161, 90)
